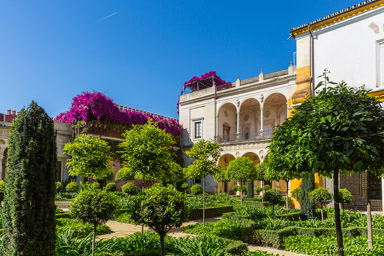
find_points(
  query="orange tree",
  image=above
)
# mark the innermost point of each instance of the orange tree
(341, 130)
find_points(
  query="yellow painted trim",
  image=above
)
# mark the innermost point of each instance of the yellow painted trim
(378, 94)
(339, 18)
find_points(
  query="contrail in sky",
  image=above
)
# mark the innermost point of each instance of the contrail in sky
(108, 16)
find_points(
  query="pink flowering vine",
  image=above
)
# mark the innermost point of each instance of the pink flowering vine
(204, 81)
(91, 106)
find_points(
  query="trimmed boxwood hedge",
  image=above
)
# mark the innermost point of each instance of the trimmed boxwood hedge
(210, 212)
(275, 238)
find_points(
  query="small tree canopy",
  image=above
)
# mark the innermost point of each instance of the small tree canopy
(129, 188)
(320, 196)
(196, 190)
(296, 193)
(242, 169)
(345, 196)
(89, 157)
(160, 208)
(273, 196)
(148, 155)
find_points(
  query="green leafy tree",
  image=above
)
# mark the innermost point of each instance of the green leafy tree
(111, 187)
(341, 130)
(196, 190)
(129, 188)
(94, 206)
(258, 190)
(242, 169)
(59, 186)
(29, 208)
(273, 196)
(296, 193)
(222, 176)
(160, 208)
(205, 153)
(148, 155)
(266, 187)
(321, 197)
(89, 157)
(274, 174)
(184, 187)
(345, 197)
(72, 186)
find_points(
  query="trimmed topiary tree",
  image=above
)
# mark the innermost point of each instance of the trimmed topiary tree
(95, 206)
(111, 187)
(274, 197)
(129, 188)
(196, 190)
(258, 190)
(59, 186)
(321, 197)
(29, 208)
(184, 187)
(345, 197)
(160, 208)
(72, 187)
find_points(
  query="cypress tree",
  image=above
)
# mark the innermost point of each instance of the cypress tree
(29, 208)
(307, 207)
(250, 188)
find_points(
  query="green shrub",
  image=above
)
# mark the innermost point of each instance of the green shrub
(267, 238)
(258, 189)
(72, 187)
(266, 187)
(321, 197)
(327, 245)
(345, 197)
(231, 229)
(274, 223)
(184, 186)
(273, 196)
(111, 187)
(129, 188)
(238, 188)
(196, 190)
(210, 212)
(59, 186)
(79, 228)
(95, 185)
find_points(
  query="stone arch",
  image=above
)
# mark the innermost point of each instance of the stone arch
(256, 160)
(225, 187)
(274, 112)
(227, 116)
(249, 118)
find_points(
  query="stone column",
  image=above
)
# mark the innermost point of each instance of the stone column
(238, 125)
(217, 126)
(262, 121)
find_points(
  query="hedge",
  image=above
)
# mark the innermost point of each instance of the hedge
(289, 216)
(236, 247)
(65, 215)
(267, 238)
(275, 238)
(210, 212)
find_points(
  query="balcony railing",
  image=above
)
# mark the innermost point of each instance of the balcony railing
(242, 137)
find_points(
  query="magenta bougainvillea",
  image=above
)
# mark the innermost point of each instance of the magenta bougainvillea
(95, 106)
(204, 81)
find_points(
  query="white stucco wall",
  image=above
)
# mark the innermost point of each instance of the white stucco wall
(349, 49)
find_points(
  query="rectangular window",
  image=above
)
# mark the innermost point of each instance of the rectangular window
(380, 63)
(198, 130)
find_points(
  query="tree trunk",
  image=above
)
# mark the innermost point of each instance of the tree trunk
(203, 200)
(241, 192)
(369, 224)
(322, 216)
(339, 234)
(162, 244)
(93, 239)
(287, 198)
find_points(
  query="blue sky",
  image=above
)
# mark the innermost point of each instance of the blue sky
(140, 52)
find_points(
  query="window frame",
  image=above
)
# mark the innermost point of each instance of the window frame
(198, 133)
